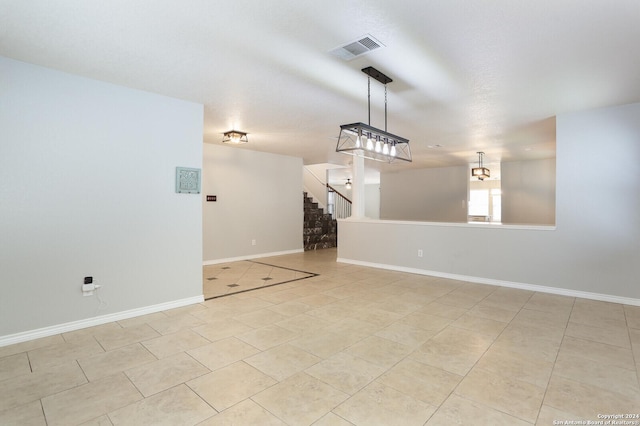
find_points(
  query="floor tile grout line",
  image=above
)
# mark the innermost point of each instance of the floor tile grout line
(29, 360)
(492, 408)
(44, 415)
(265, 408)
(546, 389)
(633, 354)
(203, 398)
(283, 267)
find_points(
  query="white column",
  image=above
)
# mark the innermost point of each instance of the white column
(357, 188)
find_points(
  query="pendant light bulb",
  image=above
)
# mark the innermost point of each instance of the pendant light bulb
(385, 149)
(378, 145)
(369, 143)
(393, 150)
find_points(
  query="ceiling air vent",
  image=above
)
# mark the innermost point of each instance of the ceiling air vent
(362, 45)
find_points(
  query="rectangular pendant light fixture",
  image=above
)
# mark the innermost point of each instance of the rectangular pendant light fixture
(480, 172)
(370, 142)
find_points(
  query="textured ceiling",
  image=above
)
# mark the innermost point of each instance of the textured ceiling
(468, 75)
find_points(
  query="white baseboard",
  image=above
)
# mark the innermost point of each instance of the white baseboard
(479, 280)
(251, 256)
(91, 322)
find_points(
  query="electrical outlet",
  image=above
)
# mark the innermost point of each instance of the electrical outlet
(253, 242)
(88, 286)
(419, 252)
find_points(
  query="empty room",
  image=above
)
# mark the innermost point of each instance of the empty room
(299, 213)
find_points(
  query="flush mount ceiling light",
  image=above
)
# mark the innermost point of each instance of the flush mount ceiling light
(480, 172)
(235, 137)
(369, 142)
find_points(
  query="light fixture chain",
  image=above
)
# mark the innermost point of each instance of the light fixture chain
(369, 98)
(385, 107)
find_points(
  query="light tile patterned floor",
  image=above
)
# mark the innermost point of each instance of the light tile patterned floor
(351, 346)
(237, 277)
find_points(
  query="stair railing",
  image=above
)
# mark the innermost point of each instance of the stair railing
(339, 206)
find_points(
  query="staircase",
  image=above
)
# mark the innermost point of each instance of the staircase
(320, 230)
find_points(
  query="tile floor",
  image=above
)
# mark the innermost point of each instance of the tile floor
(352, 346)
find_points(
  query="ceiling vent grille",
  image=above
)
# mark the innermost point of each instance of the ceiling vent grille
(359, 47)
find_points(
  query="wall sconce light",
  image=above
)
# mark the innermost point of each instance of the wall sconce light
(235, 137)
(348, 184)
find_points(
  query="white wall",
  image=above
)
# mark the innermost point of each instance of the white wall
(529, 192)
(372, 201)
(594, 247)
(259, 198)
(436, 194)
(87, 188)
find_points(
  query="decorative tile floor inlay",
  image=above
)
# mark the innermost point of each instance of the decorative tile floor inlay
(237, 277)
